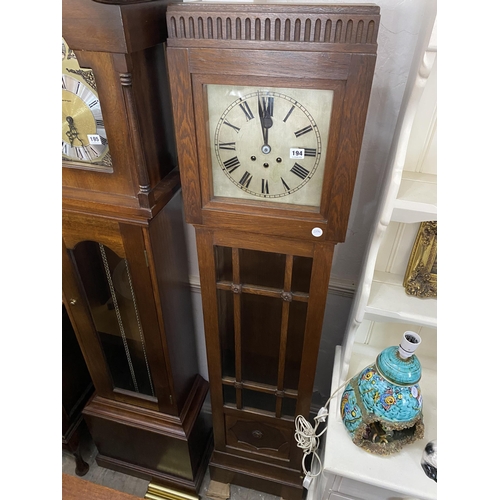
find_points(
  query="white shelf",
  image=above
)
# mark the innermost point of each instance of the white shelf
(374, 336)
(400, 473)
(417, 198)
(388, 301)
(382, 310)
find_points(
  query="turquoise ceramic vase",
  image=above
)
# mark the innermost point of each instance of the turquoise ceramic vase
(381, 406)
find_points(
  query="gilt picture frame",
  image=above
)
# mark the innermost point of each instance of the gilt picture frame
(421, 273)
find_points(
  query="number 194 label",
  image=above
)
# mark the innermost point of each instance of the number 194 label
(297, 153)
(94, 138)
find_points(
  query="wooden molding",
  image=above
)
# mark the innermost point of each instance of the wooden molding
(343, 27)
(344, 288)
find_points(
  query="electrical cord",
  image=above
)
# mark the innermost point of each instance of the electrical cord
(307, 438)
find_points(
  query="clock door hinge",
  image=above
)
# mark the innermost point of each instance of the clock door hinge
(146, 258)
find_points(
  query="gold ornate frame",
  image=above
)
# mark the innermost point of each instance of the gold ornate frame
(421, 274)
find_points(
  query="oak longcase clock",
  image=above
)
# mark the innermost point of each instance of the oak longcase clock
(125, 278)
(269, 107)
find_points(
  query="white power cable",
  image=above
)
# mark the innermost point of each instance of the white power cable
(307, 438)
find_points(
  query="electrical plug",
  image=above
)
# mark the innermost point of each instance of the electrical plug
(307, 481)
(322, 414)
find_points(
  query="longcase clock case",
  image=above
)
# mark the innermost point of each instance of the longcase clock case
(265, 261)
(125, 277)
(125, 287)
(123, 46)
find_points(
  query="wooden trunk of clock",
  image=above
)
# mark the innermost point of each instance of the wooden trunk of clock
(269, 108)
(263, 304)
(125, 285)
(125, 277)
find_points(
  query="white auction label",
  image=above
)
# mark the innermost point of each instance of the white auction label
(297, 153)
(317, 231)
(94, 138)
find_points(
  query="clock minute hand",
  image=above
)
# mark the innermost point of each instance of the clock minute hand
(266, 122)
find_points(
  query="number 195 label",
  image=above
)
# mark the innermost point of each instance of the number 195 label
(94, 138)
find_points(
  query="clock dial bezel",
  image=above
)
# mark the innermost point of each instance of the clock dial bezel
(77, 151)
(82, 107)
(263, 205)
(277, 137)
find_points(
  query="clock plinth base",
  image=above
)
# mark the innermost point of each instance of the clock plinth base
(178, 489)
(169, 451)
(260, 476)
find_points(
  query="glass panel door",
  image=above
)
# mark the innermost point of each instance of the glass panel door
(262, 308)
(111, 297)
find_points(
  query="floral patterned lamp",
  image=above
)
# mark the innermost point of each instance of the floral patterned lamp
(381, 406)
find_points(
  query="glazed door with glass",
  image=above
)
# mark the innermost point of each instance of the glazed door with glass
(110, 295)
(265, 305)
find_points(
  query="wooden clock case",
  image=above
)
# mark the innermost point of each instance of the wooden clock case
(163, 435)
(124, 46)
(264, 272)
(149, 418)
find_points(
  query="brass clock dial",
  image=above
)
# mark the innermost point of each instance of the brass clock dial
(84, 140)
(269, 143)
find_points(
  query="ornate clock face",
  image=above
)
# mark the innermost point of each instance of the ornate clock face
(84, 141)
(269, 143)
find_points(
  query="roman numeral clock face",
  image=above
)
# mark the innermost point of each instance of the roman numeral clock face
(269, 143)
(84, 141)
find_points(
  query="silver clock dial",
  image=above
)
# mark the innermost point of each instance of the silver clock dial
(268, 142)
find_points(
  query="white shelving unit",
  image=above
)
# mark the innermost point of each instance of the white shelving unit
(382, 311)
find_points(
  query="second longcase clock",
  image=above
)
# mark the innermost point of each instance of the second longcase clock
(125, 280)
(117, 145)
(125, 286)
(269, 108)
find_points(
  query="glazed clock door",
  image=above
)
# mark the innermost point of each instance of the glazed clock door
(263, 338)
(107, 287)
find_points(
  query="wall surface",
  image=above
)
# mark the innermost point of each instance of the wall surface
(401, 22)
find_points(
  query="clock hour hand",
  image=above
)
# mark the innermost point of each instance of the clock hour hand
(266, 122)
(72, 133)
